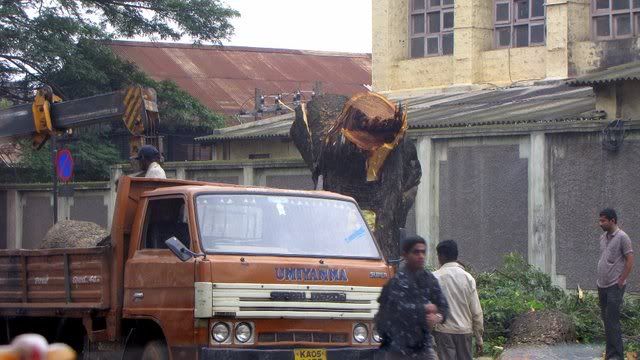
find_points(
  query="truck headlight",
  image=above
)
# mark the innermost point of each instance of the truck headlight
(220, 332)
(360, 333)
(243, 332)
(375, 336)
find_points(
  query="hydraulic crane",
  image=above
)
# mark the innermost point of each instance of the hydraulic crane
(48, 116)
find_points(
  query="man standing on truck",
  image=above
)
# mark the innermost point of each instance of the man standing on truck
(148, 159)
(411, 303)
(454, 337)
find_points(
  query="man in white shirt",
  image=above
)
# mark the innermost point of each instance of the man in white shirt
(148, 158)
(454, 336)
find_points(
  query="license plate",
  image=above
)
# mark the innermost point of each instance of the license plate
(310, 354)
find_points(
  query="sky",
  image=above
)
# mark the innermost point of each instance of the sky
(327, 25)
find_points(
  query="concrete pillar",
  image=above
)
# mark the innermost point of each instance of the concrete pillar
(607, 100)
(542, 237)
(116, 173)
(473, 34)
(538, 253)
(248, 176)
(391, 44)
(427, 200)
(557, 57)
(568, 22)
(181, 174)
(14, 219)
(64, 207)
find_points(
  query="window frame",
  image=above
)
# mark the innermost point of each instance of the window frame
(611, 14)
(142, 243)
(278, 194)
(441, 9)
(514, 22)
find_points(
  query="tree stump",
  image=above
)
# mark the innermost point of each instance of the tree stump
(357, 147)
(545, 327)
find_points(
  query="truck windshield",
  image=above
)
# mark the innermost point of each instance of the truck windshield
(283, 225)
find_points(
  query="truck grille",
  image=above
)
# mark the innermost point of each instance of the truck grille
(295, 301)
(312, 337)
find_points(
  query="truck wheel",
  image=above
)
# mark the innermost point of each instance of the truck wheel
(155, 350)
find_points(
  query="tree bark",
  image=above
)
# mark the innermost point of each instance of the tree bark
(339, 165)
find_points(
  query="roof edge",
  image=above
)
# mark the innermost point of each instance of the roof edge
(234, 48)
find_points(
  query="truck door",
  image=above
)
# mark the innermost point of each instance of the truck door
(157, 284)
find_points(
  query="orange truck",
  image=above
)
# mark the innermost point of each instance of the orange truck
(206, 271)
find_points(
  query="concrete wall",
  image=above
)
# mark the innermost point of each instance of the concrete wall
(483, 202)
(90, 206)
(242, 149)
(619, 100)
(27, 210)
(536, 192)
(569, 50)
(589, 56)
(587, 178)
(37, 215)
(511, 65)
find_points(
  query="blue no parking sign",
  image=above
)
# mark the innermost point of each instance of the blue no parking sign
(64, 165)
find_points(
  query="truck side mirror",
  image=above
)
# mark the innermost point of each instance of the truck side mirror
(178, 249)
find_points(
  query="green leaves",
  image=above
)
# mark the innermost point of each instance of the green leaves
(40, 37)
(63, 44)
(92, 152)
(517, 287)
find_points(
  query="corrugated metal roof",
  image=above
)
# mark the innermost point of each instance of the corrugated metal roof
(508, 106)
(277, 126)
(527, 104)
(628, 71)
(224, 78)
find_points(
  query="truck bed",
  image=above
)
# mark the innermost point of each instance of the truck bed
(71, 278)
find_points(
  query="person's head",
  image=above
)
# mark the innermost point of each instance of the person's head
(146, 155)
(414, 251)
(447, 251)
(608, 219)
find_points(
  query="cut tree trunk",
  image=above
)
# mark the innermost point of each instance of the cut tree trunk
(358, 148)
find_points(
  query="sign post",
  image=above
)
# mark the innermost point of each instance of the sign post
(64, 165)
(54, 177)
(63, 173)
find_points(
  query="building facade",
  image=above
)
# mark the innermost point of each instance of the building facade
(532, 176)
(443, 43)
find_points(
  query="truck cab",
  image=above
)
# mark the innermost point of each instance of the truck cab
(198, 270)
(295, 274)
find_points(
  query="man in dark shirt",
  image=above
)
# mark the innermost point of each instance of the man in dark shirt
(411, 303)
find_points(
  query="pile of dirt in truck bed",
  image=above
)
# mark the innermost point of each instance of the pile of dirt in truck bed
(72, 233)
(546, 327)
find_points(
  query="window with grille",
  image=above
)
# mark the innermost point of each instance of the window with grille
(431, 28)
(519, 23)
(615, 19)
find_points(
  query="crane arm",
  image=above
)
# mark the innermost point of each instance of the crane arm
(135, 106)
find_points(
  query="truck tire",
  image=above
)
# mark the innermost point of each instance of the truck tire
(155, 350)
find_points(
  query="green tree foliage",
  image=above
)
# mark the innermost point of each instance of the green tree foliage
(90, 150)
(40, 37)
(517, 287)
(64, 44)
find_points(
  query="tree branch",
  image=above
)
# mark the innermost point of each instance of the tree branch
(13, 58)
